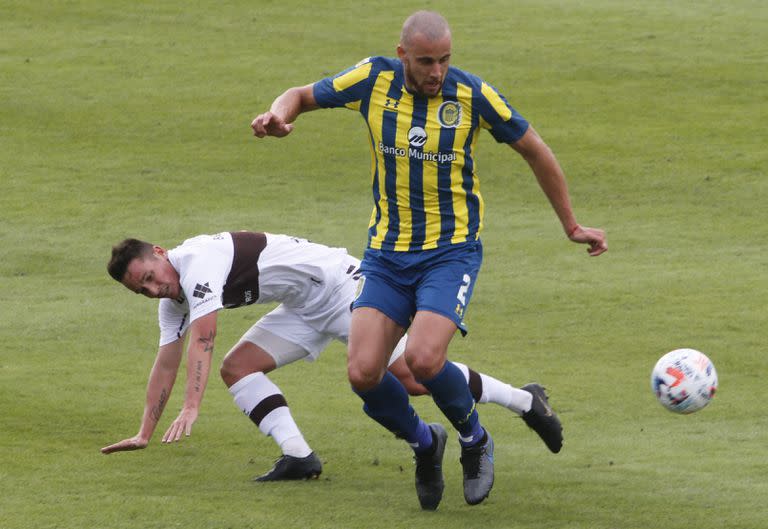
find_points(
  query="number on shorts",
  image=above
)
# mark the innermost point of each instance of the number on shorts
(462, 295)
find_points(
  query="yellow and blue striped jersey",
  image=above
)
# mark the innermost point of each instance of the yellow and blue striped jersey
(425, 188)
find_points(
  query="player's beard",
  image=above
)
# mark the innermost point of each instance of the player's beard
(419, 87)
(436, 86)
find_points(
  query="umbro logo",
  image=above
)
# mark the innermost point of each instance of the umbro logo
(201, 290)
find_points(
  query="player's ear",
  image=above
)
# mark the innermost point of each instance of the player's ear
(159, 251)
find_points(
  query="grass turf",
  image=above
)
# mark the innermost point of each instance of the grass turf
(132, 120)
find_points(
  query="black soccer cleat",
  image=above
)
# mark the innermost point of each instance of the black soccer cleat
(429, 470)
(293, 468)
(542, 419)
(477, 464)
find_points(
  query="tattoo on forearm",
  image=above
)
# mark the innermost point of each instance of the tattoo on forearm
(207, 342)
(157, 410)
(198, 375)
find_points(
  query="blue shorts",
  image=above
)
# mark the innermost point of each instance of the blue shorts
(401, 283)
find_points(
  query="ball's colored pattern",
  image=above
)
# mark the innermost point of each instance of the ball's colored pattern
(684, 380)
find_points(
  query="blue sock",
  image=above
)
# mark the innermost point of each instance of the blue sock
(388, 405)
(451, 394)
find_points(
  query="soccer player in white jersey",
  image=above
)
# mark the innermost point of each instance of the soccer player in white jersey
(315, 286)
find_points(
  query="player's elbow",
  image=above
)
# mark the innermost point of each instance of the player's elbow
(305, 97)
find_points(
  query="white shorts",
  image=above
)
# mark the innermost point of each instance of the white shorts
(288, 335)
(282, 351)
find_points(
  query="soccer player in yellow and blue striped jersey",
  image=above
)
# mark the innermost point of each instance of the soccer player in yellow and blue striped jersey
(424, 251)
(425, 187)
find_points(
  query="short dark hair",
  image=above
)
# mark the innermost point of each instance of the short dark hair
(125, 252)
(429, 23)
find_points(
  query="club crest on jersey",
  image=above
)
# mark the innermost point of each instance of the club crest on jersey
(449, 114)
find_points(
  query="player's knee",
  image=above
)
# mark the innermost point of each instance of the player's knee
(425, 363)
(228, 372)
(405, 376)
(362, 378)
(415, 389)
(233, 368)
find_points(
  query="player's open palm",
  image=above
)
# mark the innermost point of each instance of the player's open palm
(182, 425)
(132, 443)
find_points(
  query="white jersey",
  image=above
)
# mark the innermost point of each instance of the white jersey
(230, 270)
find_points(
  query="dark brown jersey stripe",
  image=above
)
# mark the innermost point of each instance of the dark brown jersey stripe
(242, 286)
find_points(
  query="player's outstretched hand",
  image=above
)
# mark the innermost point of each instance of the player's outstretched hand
(132, 443)
(269, 124)
(594, 237)
(181, 426)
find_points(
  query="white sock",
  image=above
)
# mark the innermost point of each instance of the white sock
(251, 390)
(501, 393)
(498, 392)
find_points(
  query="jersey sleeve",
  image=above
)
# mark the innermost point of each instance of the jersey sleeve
(173, 318)
(203, 296)
(504, 123)
(202, 281)
(345, 89)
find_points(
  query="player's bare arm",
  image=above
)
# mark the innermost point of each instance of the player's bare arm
(202, 335)
(161, 380)
(278, 121)
(552, 181)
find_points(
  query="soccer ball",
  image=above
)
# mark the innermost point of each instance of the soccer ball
(684, 380)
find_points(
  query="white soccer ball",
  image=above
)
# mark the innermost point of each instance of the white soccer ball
(684, 380)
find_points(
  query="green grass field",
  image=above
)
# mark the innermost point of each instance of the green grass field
(132, 119)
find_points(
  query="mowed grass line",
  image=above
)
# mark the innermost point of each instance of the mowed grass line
(120, 120)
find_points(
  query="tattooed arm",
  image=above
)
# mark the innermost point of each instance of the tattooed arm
(199, 352)
(159, 387)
